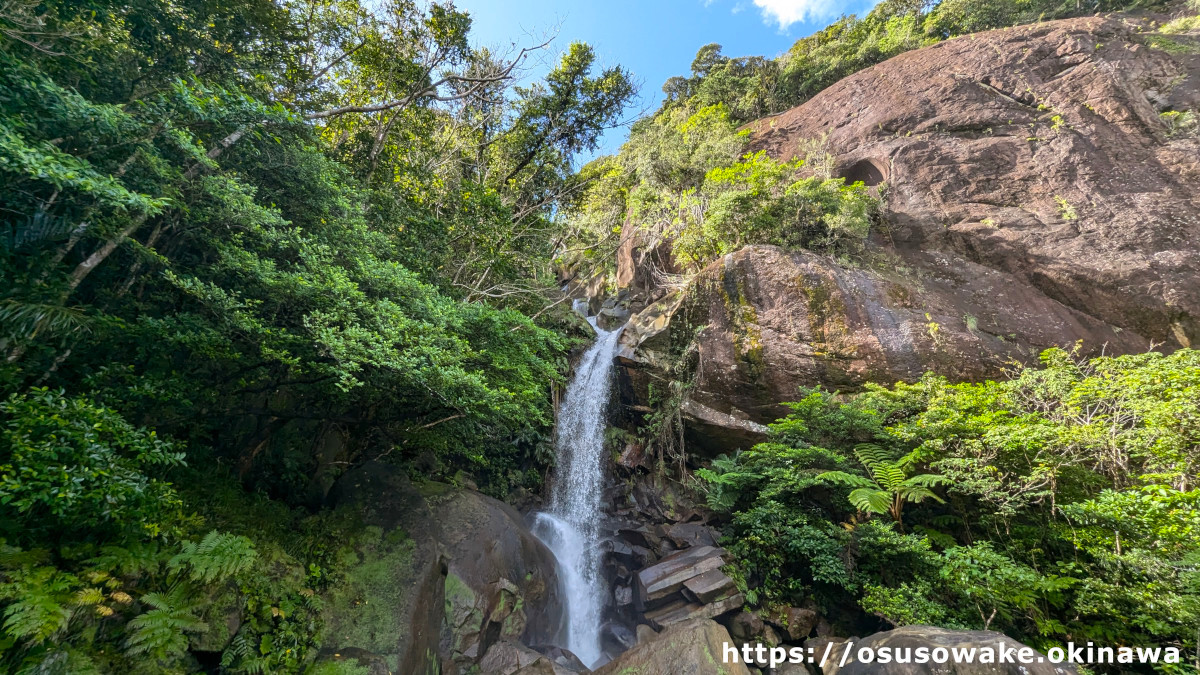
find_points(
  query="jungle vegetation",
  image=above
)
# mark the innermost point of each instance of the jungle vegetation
(247, 244)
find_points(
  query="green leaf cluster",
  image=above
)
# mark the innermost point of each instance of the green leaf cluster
(1058, 505)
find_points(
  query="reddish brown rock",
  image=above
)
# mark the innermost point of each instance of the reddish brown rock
(1034, 199)
(984, 141)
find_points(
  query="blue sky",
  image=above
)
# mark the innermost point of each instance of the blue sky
(654, 39)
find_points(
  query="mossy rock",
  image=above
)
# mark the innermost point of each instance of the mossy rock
(390, 601)
(361, 609)
(223, 613)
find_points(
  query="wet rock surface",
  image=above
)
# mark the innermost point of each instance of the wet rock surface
(501, 582)
(400, 570)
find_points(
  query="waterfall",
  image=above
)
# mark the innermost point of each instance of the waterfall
(570, 527)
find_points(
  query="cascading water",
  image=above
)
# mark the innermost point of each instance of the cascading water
(570, 527)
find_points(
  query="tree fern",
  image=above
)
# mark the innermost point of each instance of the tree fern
(725, 480)
(888, 486)
(216, 557)
(162, 631)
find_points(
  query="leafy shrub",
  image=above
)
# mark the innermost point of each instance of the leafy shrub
(70, 466)
(1071, 508)
(682, 179)
(1180, 122)
(761, 201)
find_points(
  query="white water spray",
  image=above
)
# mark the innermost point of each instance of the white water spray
(570, 528)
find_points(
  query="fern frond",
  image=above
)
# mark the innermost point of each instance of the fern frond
(162, 631)
(41, 604)
(927, 480)
(889, 476)
(132, 560)
(870, 500)
(871, 454)
(216, 557)
(918, 494)
(89, 596)
(848, 479)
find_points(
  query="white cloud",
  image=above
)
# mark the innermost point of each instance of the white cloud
(784, 13)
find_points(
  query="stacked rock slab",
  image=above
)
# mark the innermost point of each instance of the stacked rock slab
(686, 585)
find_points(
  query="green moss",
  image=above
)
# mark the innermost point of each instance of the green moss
(826, 311)
(349, 667)
(458, 593)
(1181, 25)
(223, 616)
(1173, 45)
(435, 492)
(361, 610)
(743, 321)
(462, 612)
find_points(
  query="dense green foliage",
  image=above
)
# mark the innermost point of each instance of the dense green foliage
(247, 244)
(285, 238)
(683, 178)
(752, 87)
(1059, 505)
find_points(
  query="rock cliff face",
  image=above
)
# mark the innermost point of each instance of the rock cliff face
(1033, 198)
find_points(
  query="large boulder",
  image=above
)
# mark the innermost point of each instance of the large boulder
(774, 320)
(391, 602)
(1033, 199)
(691, 648)
(502, 582)
(912, 637)
(437, 576)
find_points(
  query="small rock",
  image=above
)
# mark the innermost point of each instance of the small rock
(793, 669)
(623, 596)
(796, 622)
(633, 456)
(745, 626)
(692, 534)
(618, 637)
